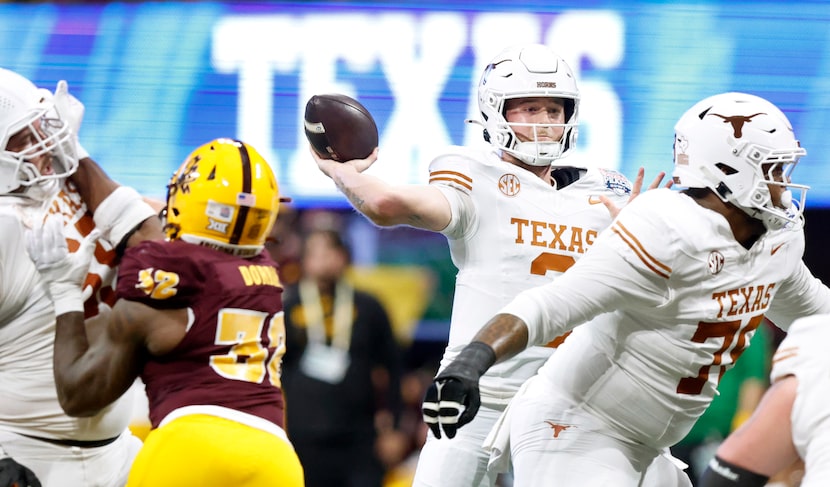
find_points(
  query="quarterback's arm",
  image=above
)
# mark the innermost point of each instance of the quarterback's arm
(419, 206)
(91, 373)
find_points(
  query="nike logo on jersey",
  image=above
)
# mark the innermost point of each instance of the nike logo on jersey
(775, 249)
(558, 428)
(594, 200)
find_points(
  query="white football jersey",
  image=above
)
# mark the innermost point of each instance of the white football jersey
(803, 353)
(684, 298)
(28, 399)
(512, 231)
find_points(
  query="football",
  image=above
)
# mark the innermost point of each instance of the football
(338, 127)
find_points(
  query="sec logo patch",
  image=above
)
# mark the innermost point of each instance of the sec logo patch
(509, 184)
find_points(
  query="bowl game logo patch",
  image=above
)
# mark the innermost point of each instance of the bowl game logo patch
(616, 182)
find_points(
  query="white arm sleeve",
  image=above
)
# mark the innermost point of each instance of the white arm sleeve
(800, 295)
(602, 281)
(120, 213)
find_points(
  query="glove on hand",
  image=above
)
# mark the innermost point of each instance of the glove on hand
(452, 400)
(13, 474)
(71, 112)
(63, 272)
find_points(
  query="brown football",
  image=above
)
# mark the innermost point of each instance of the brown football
(338, 127)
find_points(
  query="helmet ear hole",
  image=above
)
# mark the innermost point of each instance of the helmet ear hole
(726, 168)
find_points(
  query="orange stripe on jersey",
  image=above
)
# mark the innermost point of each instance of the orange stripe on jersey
(558, 340)
(452, 173)
(461, 183)
(784, 354)
(655, 265)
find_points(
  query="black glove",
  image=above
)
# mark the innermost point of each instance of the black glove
(452, 400)
(13, 474)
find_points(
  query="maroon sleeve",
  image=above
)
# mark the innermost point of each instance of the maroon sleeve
(160, 274)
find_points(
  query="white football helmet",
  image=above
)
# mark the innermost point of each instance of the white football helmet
(23, 106)
(732, 143)
(524, 72)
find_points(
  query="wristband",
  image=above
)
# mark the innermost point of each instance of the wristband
(66, 298)
(120, 213)
(476, 356)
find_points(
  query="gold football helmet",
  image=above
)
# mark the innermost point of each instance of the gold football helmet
(224, 196)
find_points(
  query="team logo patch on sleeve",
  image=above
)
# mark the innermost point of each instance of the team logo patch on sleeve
(616, 182)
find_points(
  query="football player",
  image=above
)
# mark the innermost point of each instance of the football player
(38, 152)
(791, 423)
(199, 318)
(677, 287)
(515, 214)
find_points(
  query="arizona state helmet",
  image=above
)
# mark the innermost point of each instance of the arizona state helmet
(224, 196)
(732, 143)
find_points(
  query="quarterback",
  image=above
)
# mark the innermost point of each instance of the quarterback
(515, 215)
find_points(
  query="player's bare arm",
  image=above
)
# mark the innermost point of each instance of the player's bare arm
(92, 373)
(420, 206)
(505, 334)
(769, 425)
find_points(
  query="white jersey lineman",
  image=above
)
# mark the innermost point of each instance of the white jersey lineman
(804, 354)
(509, 231)
(686, 298)
(28, 400)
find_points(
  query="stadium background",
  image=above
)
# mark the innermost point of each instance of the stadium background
(160, 78)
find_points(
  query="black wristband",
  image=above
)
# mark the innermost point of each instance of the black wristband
(720, 473)
(477, 355)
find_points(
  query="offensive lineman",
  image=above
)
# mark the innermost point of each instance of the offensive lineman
(683, 279)
(40, 150)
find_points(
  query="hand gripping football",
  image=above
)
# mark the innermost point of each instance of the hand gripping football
(339, 127)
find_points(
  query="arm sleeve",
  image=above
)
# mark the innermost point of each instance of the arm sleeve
(600, 282)
(629, 265)
(800, 295)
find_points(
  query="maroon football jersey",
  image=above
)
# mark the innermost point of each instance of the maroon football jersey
(233, 348)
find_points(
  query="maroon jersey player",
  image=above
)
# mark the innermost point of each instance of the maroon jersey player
(199, 319)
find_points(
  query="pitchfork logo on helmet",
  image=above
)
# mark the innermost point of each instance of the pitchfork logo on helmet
(527, 72)
(739, 145)
(224, 196)
(30, 114)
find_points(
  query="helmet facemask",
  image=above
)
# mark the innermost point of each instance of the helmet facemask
(30, 128)
(740, 145)
(528, 72)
